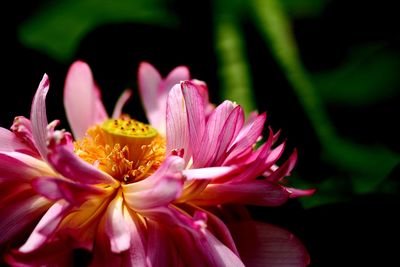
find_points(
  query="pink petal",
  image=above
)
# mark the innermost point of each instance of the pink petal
(285, 169)
(15, 142)
(67, 163)
(218, 228)
(295, 193)
(177, 75)
(102, 254)
(39, 117)
(257, 192)
(22, 128)
(227, 134)
(262, 244)
(210, 142)
(124, 97)
(149, 82)
(195, 115)
(17, 213)
(254, 165)
(24, 167)
(58, 253)
(154, 91)
(82, 100)
(203, 91)
(136, 256)
(177, 123)
(56, 189)
(164, 186)
(209, 173)
(161, 250)
(216, 253)
(46, 227)
(116, 227)
(247, 136)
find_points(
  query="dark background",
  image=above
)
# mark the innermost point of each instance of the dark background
(362, 229)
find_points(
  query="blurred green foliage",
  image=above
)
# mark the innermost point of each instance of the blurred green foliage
(58, 27)
(367, 76)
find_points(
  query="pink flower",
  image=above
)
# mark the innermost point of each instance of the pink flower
(142, 195)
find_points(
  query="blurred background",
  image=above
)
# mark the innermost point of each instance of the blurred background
(325, 71)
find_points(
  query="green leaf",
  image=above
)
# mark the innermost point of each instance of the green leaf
(329, 191)
(368, 166)
(369, 75)
(233, 68)
(57, 28)
(304, 8)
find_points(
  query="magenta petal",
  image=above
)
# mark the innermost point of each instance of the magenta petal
(211, 138)
(164, 186)
(10, 142)
(247, 136)
(46, 227)
(262, 244)
(285, 169)
(22, 210)
(161, 251)
(177, 75)
(216, 253)
(39, 117)
(116, 227)
(149, 83)
(82, 100)
(57, 253)
(177, 123)
(67, 163)
(209, 173)
(136, 256)
(56, 189)
(256, 192)
(124, 97)
(294, 192)
(24, 167)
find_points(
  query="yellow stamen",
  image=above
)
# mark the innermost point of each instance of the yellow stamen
(127, 149)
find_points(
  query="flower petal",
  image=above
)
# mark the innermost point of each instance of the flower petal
(258, 192)
(56, 189)
(177, 75)
(262, 244)
(161, 250)
(177, 123)
(209, 173)
(10, 142)
(24, 167)
(216, 253)
(294, 192)
(247, 136)
(136, 256)
(19, 211)
(46, 227)
(195, 115)
(39, 117)
(285, 169)
(67, 163)
(116, 227)
(154, 91)
(124, 97)
(164, 186)
(82, 99)
(211, 140)
(58, 253)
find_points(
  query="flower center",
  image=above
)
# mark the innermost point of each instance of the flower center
(127, 149)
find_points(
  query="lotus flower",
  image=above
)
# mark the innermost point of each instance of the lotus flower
(168, 193)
